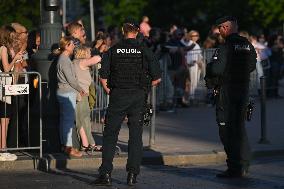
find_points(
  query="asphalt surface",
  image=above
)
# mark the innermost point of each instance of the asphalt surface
(194, 129)
(265, 173)
(189, 136)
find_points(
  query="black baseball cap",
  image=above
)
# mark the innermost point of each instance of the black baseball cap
(225, 19)
(178, 32)
(132, 22)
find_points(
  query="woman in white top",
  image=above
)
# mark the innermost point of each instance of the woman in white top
(263, 53)
(194, 61)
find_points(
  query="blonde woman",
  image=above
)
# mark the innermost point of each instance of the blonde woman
(195, 62)
(82, 63)
(8, 61)
(67, 90)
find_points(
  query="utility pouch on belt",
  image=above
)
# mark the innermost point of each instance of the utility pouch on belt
(148, 113)
(249, 111)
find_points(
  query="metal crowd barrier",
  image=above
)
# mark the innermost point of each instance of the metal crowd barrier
(198, 91)
(102, 100)
(165, 89)
(169, 89)
(23, 91)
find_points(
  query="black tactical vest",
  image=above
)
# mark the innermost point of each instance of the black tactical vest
(241, 51)
(126, 66)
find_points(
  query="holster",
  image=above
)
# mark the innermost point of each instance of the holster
(148, 111)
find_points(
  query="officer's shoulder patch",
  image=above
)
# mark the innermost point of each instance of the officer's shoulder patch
(242, 47)
(215, 55)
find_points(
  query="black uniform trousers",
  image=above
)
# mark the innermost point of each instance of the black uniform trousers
(231, 110)
(130, 103)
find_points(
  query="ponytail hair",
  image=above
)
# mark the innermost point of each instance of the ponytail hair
(64, 41)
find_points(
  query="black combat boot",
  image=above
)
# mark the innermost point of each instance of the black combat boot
(131, 179)
(103, 180)
(233, 174)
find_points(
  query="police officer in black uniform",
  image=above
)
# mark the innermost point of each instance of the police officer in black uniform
(229, 75)
(127, 72)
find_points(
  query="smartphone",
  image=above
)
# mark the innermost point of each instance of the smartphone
(18, 61)
(25, 56)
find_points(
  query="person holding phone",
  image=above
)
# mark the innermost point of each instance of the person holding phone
(8, 60)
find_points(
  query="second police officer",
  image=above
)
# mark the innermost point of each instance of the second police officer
(127, 72)
(229, 75)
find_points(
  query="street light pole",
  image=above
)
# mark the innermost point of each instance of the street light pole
(63, 12)
(283, 29)
(50, 33)
(92, 19)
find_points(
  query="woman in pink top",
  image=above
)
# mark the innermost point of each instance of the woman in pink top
(144, 26)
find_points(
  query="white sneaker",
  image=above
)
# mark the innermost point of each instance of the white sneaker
(7, 157)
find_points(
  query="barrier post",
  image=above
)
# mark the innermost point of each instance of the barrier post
(40, 116)
(263, 138)
(153, 119)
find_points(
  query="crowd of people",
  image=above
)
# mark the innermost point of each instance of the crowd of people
(73, 61)
(179, 50)
(186, 66)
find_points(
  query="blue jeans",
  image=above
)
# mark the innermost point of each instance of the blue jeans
(67, 105)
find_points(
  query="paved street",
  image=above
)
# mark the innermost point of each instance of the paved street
(188, 137)
(266, 173)
(194, 129)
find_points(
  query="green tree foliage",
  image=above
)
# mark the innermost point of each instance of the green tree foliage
(196, 14)
(253, 15)
(26, 12)
(115, 11)
(193, 14)
(268, 12)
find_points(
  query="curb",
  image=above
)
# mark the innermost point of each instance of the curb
(60, 161)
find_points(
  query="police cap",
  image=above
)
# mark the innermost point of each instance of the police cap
(225, 19)
(131, 22)
(178, 32)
